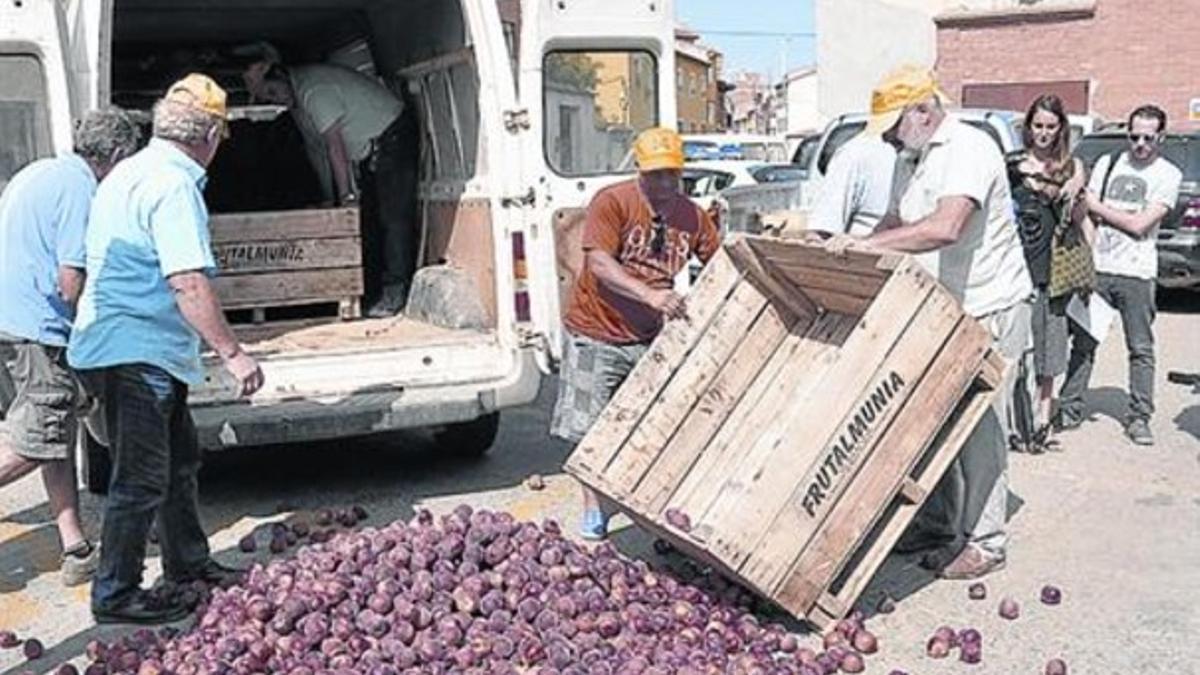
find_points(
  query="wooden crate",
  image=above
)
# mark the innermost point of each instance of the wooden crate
(798, 419)
(289, 258)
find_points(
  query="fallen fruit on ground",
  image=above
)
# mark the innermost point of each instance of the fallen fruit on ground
(937, 648)
(476, 592)
(1051, 595)
(1009, 609)
(977, 591)
(33, 649)
(1056, 667)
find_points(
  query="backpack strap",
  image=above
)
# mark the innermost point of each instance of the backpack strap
(1113, 157)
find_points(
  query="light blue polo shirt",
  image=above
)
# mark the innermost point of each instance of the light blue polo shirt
(148, 221)
(43, 217)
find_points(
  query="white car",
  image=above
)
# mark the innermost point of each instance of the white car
(704, 180)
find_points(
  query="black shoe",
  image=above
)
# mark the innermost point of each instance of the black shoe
(213, 573)
(143, 608)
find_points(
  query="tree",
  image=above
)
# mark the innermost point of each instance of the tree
(573, 70)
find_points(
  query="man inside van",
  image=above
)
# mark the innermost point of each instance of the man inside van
(146, 305)
(43, 218)
(1128, 196)
(354, 131)
(637, 237)
(955, 214)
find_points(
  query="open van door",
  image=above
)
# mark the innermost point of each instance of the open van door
(35, 95)
(592, 74)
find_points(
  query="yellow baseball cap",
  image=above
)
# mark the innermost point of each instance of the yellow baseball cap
(201, 93)
(658, 148)
(904, 86)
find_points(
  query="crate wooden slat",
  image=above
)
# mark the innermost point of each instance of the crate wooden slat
(799, 418)
(276, 259)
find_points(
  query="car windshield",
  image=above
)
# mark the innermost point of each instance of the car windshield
(701, 182)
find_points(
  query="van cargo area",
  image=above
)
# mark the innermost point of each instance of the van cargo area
(262, 177)
(296, 271)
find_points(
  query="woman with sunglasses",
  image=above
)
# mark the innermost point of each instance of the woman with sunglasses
(1046, 182)
(639, 234)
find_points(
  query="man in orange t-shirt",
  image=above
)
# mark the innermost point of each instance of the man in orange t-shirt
(638, 235)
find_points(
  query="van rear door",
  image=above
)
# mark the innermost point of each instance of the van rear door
(592, 74)
(35, 98)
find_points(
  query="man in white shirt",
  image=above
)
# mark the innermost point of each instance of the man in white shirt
(1128, 196)
(955, 215)
(856, 190)
(352, 124)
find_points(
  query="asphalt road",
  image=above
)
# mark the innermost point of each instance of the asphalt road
(1116, 526)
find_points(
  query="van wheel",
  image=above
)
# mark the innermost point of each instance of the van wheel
(469, 439)
(97, 464)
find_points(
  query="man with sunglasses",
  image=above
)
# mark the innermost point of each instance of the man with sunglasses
(43, 218)
(1128, 196)
(637, 237)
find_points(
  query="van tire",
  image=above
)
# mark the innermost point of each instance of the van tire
(97, 464)
(469, 440)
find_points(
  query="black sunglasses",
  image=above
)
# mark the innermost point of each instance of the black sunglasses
(659, 242)
(1143, 138)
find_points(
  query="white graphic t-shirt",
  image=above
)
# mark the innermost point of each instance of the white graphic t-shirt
(1132, 189)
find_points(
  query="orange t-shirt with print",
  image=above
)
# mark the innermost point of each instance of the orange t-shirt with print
(620, 222)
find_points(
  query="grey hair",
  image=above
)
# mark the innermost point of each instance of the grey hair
(107, 135)
(182, 124)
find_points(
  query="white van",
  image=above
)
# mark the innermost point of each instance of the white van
(526, 108)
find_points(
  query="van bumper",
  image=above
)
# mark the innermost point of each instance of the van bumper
(223, 426)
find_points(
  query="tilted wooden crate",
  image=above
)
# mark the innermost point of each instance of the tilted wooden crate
(797, 419)
(275, 259)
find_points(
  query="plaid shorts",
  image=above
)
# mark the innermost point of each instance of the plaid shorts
(591, 373)
(41, 417)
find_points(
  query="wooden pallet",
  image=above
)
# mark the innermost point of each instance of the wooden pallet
(798, 418)
(272, 260)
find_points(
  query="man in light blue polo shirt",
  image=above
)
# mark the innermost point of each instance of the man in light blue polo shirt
(145, 308)
(43, 216)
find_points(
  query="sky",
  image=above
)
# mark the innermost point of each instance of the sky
(762, 53)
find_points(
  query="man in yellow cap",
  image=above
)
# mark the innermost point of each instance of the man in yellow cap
(956, 215)
(146, 305)
(637, 237)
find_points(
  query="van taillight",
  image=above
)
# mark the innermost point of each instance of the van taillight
(520, 278)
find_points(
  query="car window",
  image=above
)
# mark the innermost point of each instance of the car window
(24, 114)
(700, 150)
(837, 138)
(805, 151)
(777, 174)
(702, 182)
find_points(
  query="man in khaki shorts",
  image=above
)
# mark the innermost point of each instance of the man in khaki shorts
(43, 216)
(638, 235)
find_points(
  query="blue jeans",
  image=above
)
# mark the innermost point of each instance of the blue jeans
(156, 459)
(1134, 300)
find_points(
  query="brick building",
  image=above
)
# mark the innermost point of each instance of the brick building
(697, 84)
(1103, 57)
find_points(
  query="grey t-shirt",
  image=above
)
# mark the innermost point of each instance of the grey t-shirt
(327, 94)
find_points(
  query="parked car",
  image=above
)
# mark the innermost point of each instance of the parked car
(703, 180)
(1179, 234)
(746, 147)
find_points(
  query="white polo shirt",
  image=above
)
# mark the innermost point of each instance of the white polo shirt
(985, 269)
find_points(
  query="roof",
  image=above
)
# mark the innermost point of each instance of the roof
(1037, 10)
